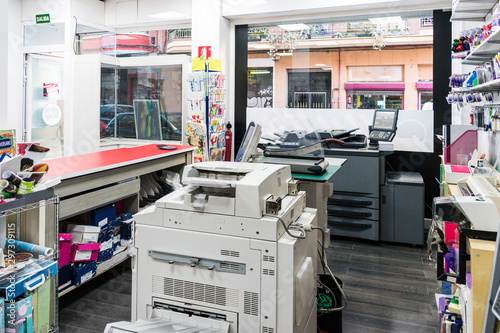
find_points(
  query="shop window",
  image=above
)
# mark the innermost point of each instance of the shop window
(260, 87)
(309, 89)
(375, 100)
(142, 102)
(425, 100)
(176, 41)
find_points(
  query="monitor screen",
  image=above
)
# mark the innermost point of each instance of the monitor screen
(385, 120)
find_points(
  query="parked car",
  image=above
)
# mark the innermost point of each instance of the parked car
(108, 111)
(125, 125)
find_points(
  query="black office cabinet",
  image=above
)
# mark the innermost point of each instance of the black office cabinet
(354, 207)
(402, 208)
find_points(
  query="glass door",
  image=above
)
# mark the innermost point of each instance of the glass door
(44, 103)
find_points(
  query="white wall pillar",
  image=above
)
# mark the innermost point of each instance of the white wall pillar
(13, 102)
(4, 26)
(209, 28)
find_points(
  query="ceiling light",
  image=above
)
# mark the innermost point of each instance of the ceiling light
(321, 65)
(294, 27)
(386, 20)
(281, 54)
(327, 68)
(327, 43)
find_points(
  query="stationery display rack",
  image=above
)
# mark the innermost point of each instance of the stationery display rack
(30, 277)
(206, 111)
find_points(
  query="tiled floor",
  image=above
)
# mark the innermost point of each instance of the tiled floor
(390, 288)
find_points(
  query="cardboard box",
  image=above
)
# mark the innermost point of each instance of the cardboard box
(85, 252)
(84, 272)
(102, 216)
(65, 276)
(19, 315)
(64, 249)
(41, 308)
(126, 229)
(120, 254)
(83, 234)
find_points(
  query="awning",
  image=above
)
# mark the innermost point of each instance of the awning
(425, 85)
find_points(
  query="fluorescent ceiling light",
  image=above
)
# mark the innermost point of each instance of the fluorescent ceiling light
(327, 43)
(321, 65)
(294, 27)
(169, 15)
(284, 53)
(260, 72)
(385, 20)
(327, 68)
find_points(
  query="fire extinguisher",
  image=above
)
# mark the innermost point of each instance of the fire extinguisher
(229, 141)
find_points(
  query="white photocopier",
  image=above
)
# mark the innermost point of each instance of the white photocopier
(226, 253)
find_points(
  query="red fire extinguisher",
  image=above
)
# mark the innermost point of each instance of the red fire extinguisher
(229, 141)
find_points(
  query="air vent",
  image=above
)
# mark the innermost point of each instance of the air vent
(266, 271)
(267, 329)
(268, 258)
(230, 253)
(251, 303)
(195, 291)
(229, 266)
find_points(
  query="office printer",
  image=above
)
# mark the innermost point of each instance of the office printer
(228, 247)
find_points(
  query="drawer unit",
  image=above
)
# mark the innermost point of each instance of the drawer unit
(354, 206)
(346, 199)
(353, 212)
(352, 227)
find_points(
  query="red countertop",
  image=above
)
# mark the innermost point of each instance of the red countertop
(79, 165)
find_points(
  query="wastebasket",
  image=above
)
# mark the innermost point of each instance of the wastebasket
(329, 322)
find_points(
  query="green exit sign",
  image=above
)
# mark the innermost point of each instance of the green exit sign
(42, 18)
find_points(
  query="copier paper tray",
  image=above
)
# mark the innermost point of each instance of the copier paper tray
(165, 321)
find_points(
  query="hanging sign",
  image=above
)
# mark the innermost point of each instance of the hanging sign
(42, 18)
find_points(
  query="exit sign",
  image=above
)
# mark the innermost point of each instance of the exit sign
(42, 18)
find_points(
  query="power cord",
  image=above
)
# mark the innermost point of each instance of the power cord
(291, 226)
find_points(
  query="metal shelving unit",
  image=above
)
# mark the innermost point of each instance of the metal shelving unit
(471, 10)
(36, 219)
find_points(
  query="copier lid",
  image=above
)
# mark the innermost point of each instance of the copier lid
(165, 321)
(405, 178)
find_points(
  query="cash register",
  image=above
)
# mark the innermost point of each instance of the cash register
(383, 127)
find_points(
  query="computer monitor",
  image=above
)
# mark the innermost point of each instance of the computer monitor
(249, 144)
(384, 126)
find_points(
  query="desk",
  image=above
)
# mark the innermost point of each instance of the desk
(90, 181)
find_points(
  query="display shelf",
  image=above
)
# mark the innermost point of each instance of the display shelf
(73, 287)
(493, 85)
(485, 51)
(471, 10)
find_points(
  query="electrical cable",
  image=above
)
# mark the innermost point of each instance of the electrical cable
(302, 236)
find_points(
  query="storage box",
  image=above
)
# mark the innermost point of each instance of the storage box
(106, 240)
(65, 277)
(83, 234)
(64, 249)
(84, 272)
(19, 315)
(85, 252)
(102, 216)
(30, 280)
(126, 229)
